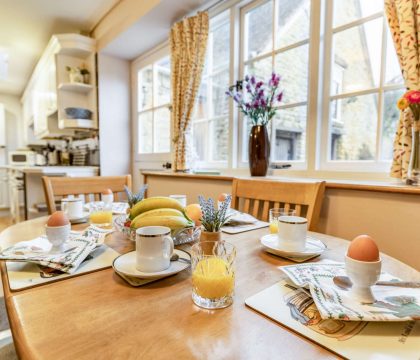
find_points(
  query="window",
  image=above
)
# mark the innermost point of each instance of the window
(153, 115)
(280, 43)
(210, 122)
(364, 83)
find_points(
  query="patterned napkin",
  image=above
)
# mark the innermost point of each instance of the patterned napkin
(239, 218)
(118, 208)
(77, 248)
(393, 303)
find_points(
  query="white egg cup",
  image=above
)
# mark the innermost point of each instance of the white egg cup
(57, 236)
(363, 275)
(108, 198)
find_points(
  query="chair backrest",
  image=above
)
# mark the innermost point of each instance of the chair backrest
(256, 197)
(55, 187)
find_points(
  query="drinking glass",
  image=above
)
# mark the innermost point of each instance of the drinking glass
(101, 214)
(274, 217)
(213, 274)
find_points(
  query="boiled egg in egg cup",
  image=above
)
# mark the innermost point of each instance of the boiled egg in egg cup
(58, 229)
(107, 196)
(363, 267)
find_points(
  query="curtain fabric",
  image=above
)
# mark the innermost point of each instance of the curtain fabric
(188, 41)
(404, 22)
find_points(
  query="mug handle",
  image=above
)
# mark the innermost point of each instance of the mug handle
(170, 242)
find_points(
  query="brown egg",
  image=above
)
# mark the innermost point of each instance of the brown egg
(106, 192)
(363, 248)
(58, 218)
(222, 197)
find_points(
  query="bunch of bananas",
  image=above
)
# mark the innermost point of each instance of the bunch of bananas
(159, 211)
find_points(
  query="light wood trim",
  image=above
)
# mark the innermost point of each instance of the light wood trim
(63, 186)
(329, 184)
(301, 195)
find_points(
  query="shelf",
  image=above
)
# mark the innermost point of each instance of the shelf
(76, 87)
(76, 124)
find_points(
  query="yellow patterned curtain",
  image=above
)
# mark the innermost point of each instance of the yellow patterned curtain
(188, 41)
(404, 22)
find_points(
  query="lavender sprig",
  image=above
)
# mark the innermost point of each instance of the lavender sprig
(213, 219)
(135, 198)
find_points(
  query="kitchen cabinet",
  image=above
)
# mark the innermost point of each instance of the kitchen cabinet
(2, 126)
(49, 91)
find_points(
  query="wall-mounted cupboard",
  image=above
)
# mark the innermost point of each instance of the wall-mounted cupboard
(60, 97)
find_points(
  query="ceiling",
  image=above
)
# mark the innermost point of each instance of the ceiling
(27, 25)
(153, 28)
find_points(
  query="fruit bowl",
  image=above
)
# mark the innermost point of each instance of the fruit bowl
(183, 236)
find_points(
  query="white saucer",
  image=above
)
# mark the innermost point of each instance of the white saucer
(313, 247)
(126, 264)
(82, 219)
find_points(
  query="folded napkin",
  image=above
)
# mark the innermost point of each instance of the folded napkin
(77, 248)
(118, 208)
(238, 218)
(393, 303)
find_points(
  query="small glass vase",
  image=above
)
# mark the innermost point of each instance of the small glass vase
(413, 176)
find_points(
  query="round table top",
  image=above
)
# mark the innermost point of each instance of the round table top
(100, 313)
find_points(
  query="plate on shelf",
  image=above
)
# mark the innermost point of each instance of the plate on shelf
(314, 247)
(126, 265)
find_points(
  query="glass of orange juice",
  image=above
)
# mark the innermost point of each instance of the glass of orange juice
(213, 274)
(101, 214)
(274, 215)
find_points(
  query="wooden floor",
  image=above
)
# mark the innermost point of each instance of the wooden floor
(5, 220)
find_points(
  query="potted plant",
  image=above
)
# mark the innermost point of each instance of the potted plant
(213, 218)
(259, 103)
(75, 74)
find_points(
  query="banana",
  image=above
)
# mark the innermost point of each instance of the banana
(160, 212)
(154, 203)
(172, 222)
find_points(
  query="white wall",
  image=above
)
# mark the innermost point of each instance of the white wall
(114, 115)
(14, 121)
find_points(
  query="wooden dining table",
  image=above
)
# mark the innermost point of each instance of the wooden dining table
(99, 316)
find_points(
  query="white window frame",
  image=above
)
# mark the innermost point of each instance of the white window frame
(372, 166)
(296, 164)
(147, 59)
(212, 164)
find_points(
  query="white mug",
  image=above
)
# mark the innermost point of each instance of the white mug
(57, 236)
(154, 248)
(182, 199)
(72, 207)
(292, 233)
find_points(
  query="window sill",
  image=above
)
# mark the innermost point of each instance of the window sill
(377, 186)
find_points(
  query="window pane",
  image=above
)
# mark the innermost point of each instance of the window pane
(292, 66)
(259, 30)
(220, 102)
(358, 52)
(220, 41)
(145, 88)
(163, 68)
(261, 69)
(146, 132)
(220, 141)
(289, 134)
(393, 70)
(390, 118)
(293, 22)
(200, 137)
(201, 102)
(353, 122)
(346, 11)
(162, 130)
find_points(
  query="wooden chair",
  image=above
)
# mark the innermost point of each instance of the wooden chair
(256, 197)
(87, 186)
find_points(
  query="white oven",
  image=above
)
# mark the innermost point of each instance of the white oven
(21, 158)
